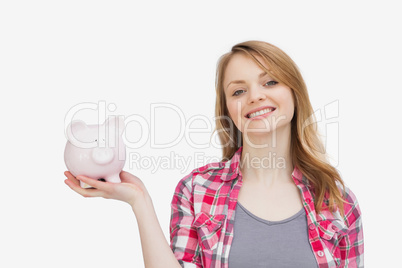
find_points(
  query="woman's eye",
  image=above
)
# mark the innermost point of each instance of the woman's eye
(238, 92)
(271, 83)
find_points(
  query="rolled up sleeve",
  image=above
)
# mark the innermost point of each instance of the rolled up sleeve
(351, 246)
(183, 235)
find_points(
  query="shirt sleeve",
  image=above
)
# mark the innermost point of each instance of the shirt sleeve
(183, 235)
(352, 245)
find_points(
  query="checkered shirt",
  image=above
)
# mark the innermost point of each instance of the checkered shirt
(203, 212)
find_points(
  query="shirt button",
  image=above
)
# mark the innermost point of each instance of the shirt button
(334, 228)
(320, 253)
(308, 200)
(208, 222)
(311, 226)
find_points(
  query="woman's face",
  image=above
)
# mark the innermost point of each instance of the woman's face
(256, 103)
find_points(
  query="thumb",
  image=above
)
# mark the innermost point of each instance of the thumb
(128, 177)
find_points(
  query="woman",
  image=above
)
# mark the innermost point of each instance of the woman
(276, 202)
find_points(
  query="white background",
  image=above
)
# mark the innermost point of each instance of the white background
(57, 54)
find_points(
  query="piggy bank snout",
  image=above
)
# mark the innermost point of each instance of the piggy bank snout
(102, 156)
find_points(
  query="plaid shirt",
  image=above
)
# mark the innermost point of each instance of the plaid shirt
(202, 219)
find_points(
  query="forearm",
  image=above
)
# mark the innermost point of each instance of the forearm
(155, 249)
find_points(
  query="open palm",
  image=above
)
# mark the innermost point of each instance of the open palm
(129, 190)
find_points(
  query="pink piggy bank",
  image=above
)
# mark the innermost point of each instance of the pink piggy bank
(96, 151)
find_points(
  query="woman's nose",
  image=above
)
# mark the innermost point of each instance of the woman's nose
(255, 95)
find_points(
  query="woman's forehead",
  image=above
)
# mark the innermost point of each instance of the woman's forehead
(242, 66)
(238, 60)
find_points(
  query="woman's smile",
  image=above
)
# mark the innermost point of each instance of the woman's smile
(260, 113)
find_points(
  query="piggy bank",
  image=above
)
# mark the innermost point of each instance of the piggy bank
(96, 151)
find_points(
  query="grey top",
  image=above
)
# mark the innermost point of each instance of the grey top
(279, 244)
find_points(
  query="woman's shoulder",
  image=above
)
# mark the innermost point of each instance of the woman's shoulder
(210, 175)
(343, 222)
(349, 197)
(351, 205)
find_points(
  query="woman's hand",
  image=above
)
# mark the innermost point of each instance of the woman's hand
(130, 190)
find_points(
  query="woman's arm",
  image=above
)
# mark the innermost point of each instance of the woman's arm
(352, 244)
(156, 250)
(183, 234)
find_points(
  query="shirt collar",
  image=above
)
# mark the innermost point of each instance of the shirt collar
(233, 166)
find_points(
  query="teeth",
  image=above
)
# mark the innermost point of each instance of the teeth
(260, 113)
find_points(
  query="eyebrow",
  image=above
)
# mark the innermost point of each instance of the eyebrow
(242, 81)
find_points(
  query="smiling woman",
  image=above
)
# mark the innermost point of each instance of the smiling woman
(262, 93)
(240, 212)
(261, 90)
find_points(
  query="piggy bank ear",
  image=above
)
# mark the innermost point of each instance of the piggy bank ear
(115, 122)
(75, 127)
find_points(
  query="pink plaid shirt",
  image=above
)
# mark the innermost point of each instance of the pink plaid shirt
(203, 208)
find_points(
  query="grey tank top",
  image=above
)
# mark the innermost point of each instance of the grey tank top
(278, 244)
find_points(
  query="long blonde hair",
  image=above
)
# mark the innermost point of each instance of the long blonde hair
(307, 150)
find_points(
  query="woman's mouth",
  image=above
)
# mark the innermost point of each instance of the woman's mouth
(262, 112)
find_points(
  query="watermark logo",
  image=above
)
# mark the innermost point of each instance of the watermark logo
(139, 131)
(327, 119)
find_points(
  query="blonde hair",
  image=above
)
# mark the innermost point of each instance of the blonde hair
(307, 150)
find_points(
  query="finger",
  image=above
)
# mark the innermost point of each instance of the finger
(71, 177)
(84, 192)
(134, 181)
(128, 177)
(100, 185)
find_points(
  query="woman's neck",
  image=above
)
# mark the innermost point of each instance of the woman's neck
(266, 156)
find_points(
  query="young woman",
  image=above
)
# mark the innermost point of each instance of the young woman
(273, 201)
